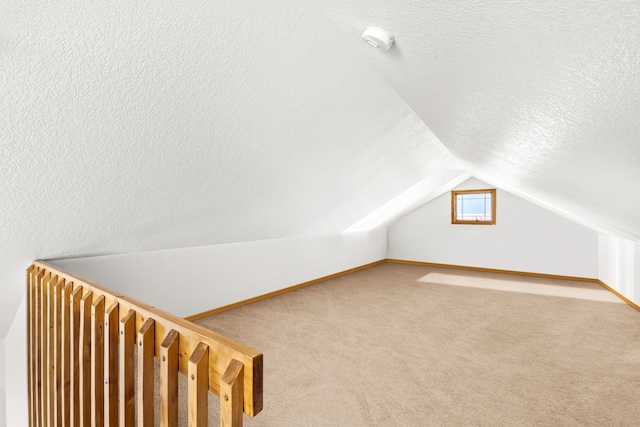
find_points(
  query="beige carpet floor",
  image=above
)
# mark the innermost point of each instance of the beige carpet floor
(404, 345)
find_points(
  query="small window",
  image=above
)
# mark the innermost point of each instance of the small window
(473, 207)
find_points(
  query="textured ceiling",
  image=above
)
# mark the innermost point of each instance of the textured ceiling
(129, 126)
(539, 97)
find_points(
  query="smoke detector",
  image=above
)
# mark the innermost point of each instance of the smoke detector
(378, 38)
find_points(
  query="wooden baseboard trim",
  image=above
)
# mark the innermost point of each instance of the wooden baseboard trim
(519, 273)
(400, 261)
(279, 292)
(618, 294)
(493, 270)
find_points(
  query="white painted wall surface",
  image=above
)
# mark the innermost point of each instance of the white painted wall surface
(2, 386)
(525, 238)
(224, 274)
(619, 265)
(16, 370)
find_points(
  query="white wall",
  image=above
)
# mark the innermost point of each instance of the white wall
(16, 370)
(619, 265)
(2, 385)
(525, 238)
(224, 274)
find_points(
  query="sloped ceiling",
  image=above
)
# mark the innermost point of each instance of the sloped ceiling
(541, 98)
(130, 126)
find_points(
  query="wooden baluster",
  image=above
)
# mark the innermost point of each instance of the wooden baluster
(146, 347)
(127, 398)
(198, 375)
(97, 362)
(37, 371)
(232, 395)
(111, 367)
(75, 350)
(65, 348)
(49, 348)
(30, 357)
(56, 360)
(169, 380)
(33, 344)
(84, 371)
(44, 347)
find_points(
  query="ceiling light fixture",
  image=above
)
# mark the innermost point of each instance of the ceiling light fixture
(378, 38)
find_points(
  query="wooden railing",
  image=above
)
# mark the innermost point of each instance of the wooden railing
(82, 368)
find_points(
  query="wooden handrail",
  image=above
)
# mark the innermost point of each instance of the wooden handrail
(81, 338)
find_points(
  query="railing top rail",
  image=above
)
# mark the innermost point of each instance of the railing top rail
(222, 350)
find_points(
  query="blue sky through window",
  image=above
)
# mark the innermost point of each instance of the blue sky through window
(473, 207)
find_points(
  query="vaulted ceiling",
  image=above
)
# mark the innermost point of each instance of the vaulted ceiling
(130, 126)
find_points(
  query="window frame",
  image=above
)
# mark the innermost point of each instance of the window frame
(455, 193)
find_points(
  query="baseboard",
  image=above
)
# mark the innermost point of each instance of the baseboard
(493, 270)
(400, 261)
(280, 291)
(618, 294)
(520, 273)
